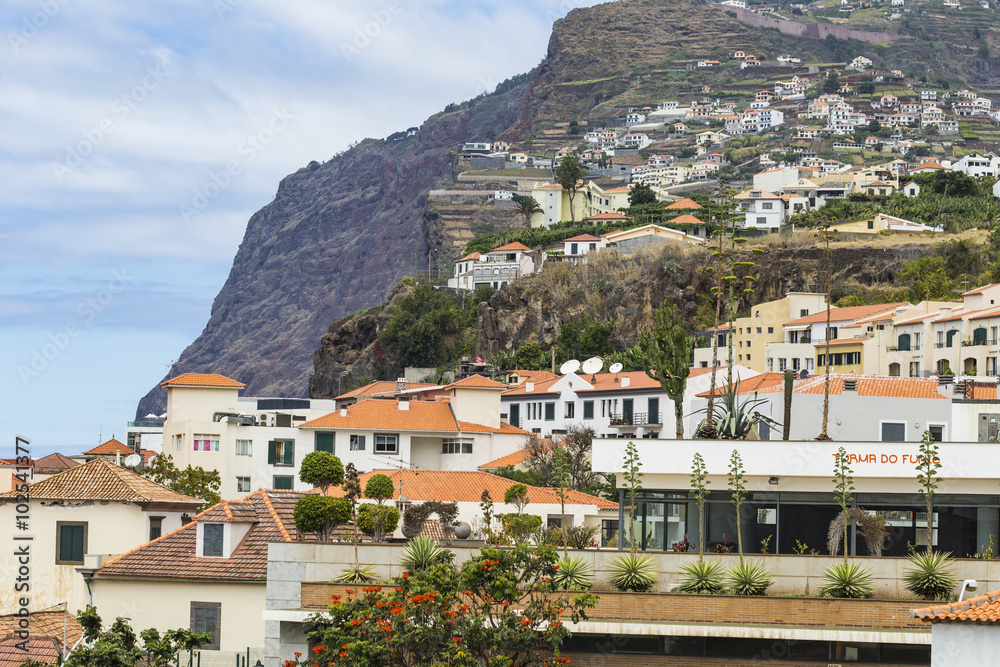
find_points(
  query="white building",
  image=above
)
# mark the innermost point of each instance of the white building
(761, 209)
(496, 268)
(978, 165)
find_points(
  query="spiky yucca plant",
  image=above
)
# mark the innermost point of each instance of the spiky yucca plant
(574, 574)
(421, 552)
(933, 575)
(702, 576)
(633, 573)
(847, 580)
(750, 577)
(361, 574)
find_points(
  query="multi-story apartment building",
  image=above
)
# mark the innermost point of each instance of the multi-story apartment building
(496, 268)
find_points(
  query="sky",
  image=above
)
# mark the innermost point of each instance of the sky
(138, 139)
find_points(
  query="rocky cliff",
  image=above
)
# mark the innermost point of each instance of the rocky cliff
(335, 239)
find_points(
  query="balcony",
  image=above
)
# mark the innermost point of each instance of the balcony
(636, 419)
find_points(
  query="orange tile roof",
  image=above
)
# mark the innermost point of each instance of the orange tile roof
(378, 414)
(474, 255)
(960, 314)
(535, 376)
(608, 216)
(582, 237)
(173, 555)
(45, 640)
(604, 382)
(753, 384)
(477, 382)
(100, 479)
(203, 380)
(686, 219)
(985, 313)
(980, 290)
(468, 486)
(507, 429)
(54, 463)
(764, 194)
(843, 341)
(929, 164)
(849, 313)
(873, 385)
(110, 448)
(982, 391)
(515, 459)
(984, 609)
(682, 204)
(512, 246)
(380, 387)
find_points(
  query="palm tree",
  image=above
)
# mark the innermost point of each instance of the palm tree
(527, 206)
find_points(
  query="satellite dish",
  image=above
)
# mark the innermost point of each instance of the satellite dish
(133, 460)
(593, 365)
(803, 374)
(151, 416)
(570, 366)
(616, 367)
(163, 416)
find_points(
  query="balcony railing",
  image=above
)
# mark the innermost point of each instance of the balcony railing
(975, 343)
(636, 419)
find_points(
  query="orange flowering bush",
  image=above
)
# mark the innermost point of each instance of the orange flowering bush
(499, 609)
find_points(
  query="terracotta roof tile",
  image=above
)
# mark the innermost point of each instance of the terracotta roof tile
(980, 290)
(850, 313)
(110, 448)
(582, 237)
(474, 255)
(535, 376)
(54, 463)
(43, 624)
(753, 384)
(608, 216)
(984, 609)
(468, 486)
(102, 480)
(686, 219)
(506, 429)
(603, 382)
(511, 247)
(173, 555)
(14, 651)
(682, 204)
(380, 387)
(477, 382)
(381, 415)
(873, 385)
(203, 380)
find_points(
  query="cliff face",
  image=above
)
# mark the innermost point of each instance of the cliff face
(334, 240)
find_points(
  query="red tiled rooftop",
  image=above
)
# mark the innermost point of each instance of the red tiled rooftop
(682, 204)
(512, 247)
(477, 382)
(984, 610)
(849, 313)
(874, 385)
(582, 237)
(380, 387)
(110, 448)
(757, 383)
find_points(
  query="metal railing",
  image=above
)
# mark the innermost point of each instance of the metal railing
(635, 419)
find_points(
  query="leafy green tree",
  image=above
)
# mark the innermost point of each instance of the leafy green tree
(499, 609)
(517, 495)
(377, 521)
(928, 279)
(586, 338)
(562, 478)
(831, 84)
(927, 469)
(379, 488)
(417, 332)
(843, 488)
(633, 483)
(118, 645)
(738, 490)
(526, 206)
(191, 481)
(321, 470)
(321, 515)
(699, 489)
(665, 351)
(569, 174)
(641, 194)
(867, 88)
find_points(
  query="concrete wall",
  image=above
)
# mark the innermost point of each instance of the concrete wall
(964, 644)
(815, 30)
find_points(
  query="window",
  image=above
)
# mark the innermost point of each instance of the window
(281, 452)
(550, 412)
(455, 446)
(207, 617)
(767, 206)
(758, 328)
(178, 442)
(588, 409)
(893, 432)
(244, 447)
(283, 482)
(782, 364)
(211, 540)
(206, 443)
(155, 527)
(71, 542)
(761, 221)
(324, 442)
(803, 312)
(809, 364)
(570, 410)
(770, 330)
(937, 432)
(357, 443)
(386, 444)
(871, 223)
(243, 484)
(796, 364)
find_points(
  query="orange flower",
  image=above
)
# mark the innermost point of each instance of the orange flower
(319, 649)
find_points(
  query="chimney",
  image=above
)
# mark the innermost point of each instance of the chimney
(343, 412)
(626, 382)
(529, 387)
(403, 404)
(945, 311)
(401, 384)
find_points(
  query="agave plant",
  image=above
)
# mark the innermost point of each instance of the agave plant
(749, 578)
(421, 552)
(702, 576)
(574, 574)
(847, 580)
(736, 419)
(933, 575)
(359, 574)
(633, 573)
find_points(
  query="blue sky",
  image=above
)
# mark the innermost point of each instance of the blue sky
(118, 218)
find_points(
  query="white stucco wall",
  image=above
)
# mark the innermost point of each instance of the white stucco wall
(965, 644)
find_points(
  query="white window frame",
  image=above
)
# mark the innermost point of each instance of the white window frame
(244, 447)
(243, 484)
(906, 429)
(385, 438)
(212, 439)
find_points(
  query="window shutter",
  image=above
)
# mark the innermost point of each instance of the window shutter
(324, 442)
(289, 453)
(588, 409)
(272, 452)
